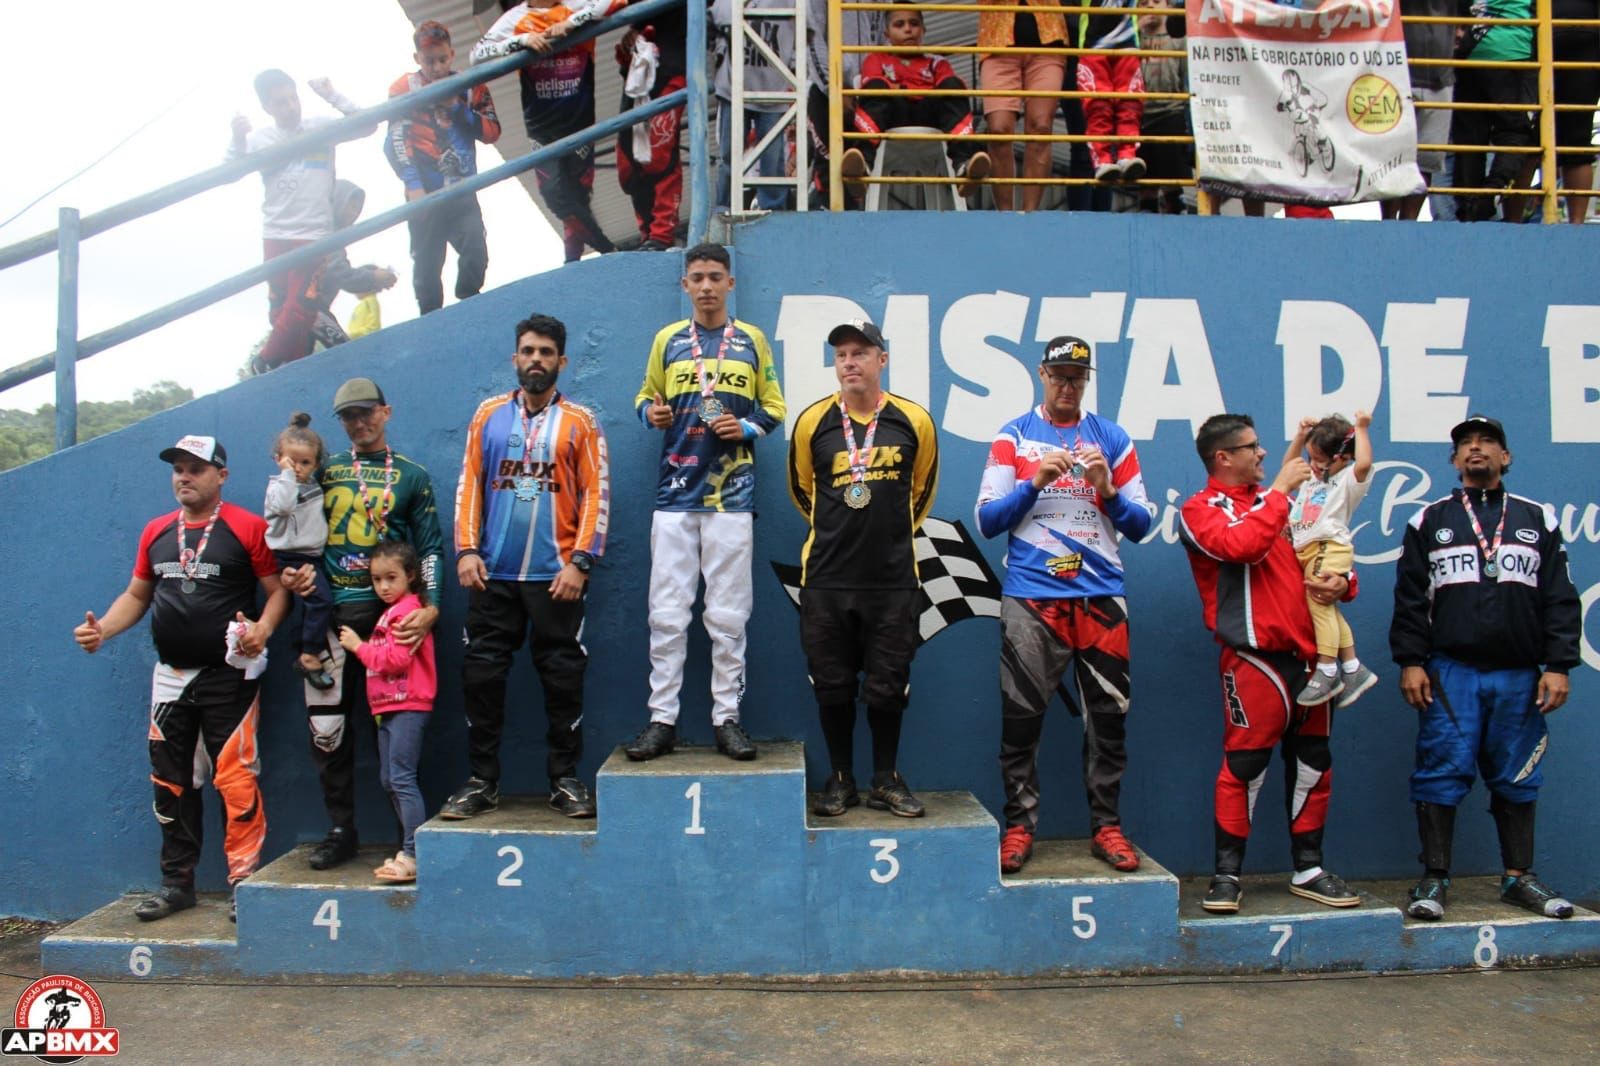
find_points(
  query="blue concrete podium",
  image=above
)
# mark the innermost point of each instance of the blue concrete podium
(698, 866)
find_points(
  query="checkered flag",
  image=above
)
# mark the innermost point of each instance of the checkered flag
(957, 583)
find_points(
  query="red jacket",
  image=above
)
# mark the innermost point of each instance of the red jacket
(398, 678)
(1252, 588)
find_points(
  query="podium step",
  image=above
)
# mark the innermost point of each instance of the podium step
(111, 942)
(1276, 931)
(1480, 931)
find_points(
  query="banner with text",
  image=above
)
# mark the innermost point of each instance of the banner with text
(1302, 105)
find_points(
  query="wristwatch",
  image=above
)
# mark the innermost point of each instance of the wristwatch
(583, 561)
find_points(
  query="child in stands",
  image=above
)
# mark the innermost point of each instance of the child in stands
(297, 530)
(401, 685)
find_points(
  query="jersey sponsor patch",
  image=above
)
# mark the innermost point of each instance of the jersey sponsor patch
(1459, 566)
(1444, 535)
(1528, 536)
(1519, 564)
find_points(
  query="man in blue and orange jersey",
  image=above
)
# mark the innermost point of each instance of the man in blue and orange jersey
(1253, 597)
(711, 388)
(435, 148)
(1063, 484)
(198, 567)
(532, 508)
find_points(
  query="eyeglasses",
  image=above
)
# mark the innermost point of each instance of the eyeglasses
(357, 414)
(1062, 381)
(1253, 445)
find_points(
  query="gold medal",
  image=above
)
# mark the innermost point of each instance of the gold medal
(857, 496)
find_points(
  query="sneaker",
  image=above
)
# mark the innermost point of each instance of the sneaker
(1529, 893)
(658, 738)
(233, 905)
(973, 171)
(837, 796)
(1224, 894)
(653, 245)
(1107, 172)
(732, 742)
(571, 797)
(1427, 898)
(1320, 689)
(1109, 844)
(338, 847)
(1326, 888)
(891, 793)
(1131, 168)
(853, 166)
(475, 797)
(1355, 685)
(1016, 848)
(164, 902)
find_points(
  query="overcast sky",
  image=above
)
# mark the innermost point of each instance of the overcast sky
(192, 63)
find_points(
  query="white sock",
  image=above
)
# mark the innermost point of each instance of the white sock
(1305, 877)
(1350, 665)
(1326, 668)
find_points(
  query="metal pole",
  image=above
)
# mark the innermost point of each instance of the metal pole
(835, 107)
(67, 329)
(699, 156)
(1548, 171)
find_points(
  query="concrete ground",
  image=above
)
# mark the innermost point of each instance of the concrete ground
(1549, 1016)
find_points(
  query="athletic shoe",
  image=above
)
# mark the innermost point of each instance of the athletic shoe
(1428, 897)
(233, 905)
(1016, 848)
(166, 901)
(338, 847)
(733, 743)
(475, 797)
(853, 167)
(1131, 168)
(1355, 685)
(1529, 893)
(653, 245)
(1327, 889)
(973, 171)
(1109, 844)
(837, 796)
(1107, 172)
(1320, 689)
(658, 738)
(571, 797)
(1224, 894)
(891, 793)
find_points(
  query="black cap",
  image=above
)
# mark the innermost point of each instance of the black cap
(859, 327)
(1480, 424)
(205, 449)
(1067, 351)
(358, 392)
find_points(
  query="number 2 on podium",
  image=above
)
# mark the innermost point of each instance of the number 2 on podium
(694, 828)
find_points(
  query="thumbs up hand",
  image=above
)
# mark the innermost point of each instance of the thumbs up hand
(659, 413)
(89, 635)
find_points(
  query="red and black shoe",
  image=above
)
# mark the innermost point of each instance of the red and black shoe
(1109, 844)
(1016, 848)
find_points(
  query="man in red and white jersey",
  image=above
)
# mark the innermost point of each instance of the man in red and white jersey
(1253, 593)
(198, 567)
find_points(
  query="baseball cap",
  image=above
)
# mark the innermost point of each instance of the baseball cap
(358, 392)
(1067, 351)
(1479, 424)
(205, 449)
(858, 327)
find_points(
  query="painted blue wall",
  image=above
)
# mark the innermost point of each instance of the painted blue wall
(1421, 322)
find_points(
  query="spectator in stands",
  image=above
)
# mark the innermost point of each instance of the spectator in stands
(952, 114)
(298, 206)
(557, 101)
(1503, 129)
(649, 161)
(1575, 129)
(1119, 160)
(1004, 29)
(434, 148)
(1163, 118)
(1428, 85)
(858, 28)
(759, 117)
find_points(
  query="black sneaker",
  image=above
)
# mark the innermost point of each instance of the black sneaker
(891, 793)
(1328, 889)
(837, 796)
(337, 848)
(570, 797)
(166, 901)
(1428, 898)
(1224, 894)
(475, 797)
(233, 905)
(732, 742)
(1529, 893)
(658, 738)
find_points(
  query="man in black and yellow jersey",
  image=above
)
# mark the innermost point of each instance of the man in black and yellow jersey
(863, 467)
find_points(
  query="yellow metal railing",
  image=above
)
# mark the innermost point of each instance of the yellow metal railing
(1545, 105)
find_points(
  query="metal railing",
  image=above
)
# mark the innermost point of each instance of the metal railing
(1544, 64)
(64, 240)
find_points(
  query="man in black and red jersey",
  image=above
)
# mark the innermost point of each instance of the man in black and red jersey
(1254, 593)
(199, 567)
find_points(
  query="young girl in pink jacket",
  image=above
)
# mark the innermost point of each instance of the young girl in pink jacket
(401, 684)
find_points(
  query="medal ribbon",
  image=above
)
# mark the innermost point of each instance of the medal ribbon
(378, 520)
(708, 388)
(192, 567)
(532, 426)
(859, 457)
(1490, 549)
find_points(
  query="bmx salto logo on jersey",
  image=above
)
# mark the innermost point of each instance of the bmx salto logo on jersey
(59, 1019)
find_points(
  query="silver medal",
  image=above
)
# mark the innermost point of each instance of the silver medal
(514, 441)
(857, 496)
(1491, 569)
(1078, 469)
(710, 409)
(527, 488)
(186, 586)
